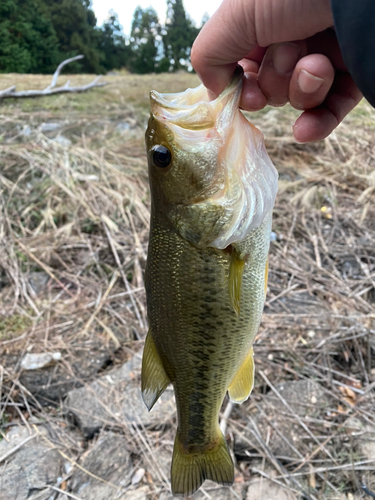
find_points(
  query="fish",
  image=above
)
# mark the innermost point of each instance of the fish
(213, 188)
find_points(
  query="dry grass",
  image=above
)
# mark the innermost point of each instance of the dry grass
(76, 213)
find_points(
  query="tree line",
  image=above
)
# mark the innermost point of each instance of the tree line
(36, 35)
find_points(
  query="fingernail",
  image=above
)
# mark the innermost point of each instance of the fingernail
(285, 57)
(309, 83)
(295, 132)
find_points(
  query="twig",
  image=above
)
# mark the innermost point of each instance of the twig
(276, 463)
(329, 438)
(73, 462)
(44, 267)
(149, 453)
(101, 303)
(357, 465)
(110, 332)
(314, 239)
(225, 417)
(13, 450)
(116, 296)
(270, 478)
(70, 495)
(281, 294)
(126, 283)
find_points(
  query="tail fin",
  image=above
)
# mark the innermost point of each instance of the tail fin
(190, 470)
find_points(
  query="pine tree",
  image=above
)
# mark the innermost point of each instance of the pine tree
(75, 25)
(179, 35)
(115, 53)
(28, 41)
(145, 40)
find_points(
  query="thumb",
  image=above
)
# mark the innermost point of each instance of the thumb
(223, 42)
(238, 26)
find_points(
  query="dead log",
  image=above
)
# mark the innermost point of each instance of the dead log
(52, 89)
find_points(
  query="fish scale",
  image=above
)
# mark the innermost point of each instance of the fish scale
(204, 302)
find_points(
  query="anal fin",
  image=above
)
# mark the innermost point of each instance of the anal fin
(154, 378)
(236, 269)
(243, 383)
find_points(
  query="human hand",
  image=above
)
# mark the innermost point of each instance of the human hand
(289, 53)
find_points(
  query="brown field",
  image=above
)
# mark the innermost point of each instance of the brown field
(74, 209)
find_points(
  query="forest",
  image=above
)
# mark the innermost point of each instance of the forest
(36, 35)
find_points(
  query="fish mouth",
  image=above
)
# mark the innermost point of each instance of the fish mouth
(193, 108)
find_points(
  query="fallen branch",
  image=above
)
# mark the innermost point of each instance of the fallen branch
(52, 89)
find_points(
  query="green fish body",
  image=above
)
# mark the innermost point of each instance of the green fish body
(212, 189)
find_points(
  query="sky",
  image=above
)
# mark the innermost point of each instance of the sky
(125, 9)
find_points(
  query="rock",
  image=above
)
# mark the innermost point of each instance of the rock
(50, 127)
(123, 126)
(367, 443)
(138, 476)
(62, 140)
(264, 489)
(116, 398)
(216, 492)
(38, 281)
(138, 494)
(363, 436)
(305, 397)
(127, 124)
(26, 131)
(52, 383)
(109, 460)
(27, 473)
(34, 361)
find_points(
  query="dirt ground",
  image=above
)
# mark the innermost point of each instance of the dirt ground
(74, 220)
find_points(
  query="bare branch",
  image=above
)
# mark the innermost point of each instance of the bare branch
(7, 91)
(60, 67)
(52, 89)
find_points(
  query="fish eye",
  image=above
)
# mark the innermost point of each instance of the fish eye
(161, 156)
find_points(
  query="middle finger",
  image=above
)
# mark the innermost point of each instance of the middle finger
(276, 70)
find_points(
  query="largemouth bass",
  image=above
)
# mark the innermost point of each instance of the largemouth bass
(213, 188)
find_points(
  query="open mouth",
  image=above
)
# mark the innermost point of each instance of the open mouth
(193, 109)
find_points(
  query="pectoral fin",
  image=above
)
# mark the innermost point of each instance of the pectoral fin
(154, 378)
(236, 269)
(243, 383)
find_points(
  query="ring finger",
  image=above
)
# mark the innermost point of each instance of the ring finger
(277, 69)
(311, 81)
